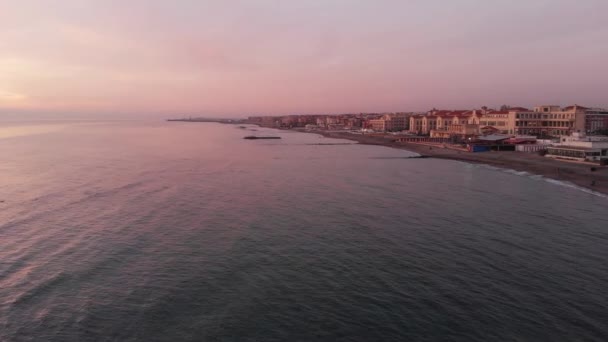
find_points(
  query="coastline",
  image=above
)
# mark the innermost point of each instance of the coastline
(579, 174)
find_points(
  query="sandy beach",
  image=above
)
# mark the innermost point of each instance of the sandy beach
(580, 174)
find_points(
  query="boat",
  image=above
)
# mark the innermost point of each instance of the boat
(252, 137)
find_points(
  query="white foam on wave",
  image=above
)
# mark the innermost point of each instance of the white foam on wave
(540, 177)
(515, 172)
(574, 186)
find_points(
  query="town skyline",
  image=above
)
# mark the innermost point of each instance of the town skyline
(269, 57)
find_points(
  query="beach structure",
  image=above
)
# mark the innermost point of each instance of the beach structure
(493, 142)
(579, 147)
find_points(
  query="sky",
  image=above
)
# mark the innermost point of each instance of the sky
(243, 57)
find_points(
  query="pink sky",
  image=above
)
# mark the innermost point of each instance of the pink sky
(260, 56)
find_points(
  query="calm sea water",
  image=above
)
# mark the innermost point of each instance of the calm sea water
(156, 231)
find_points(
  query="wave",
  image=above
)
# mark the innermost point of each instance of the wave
(543, 178)
(574, 186)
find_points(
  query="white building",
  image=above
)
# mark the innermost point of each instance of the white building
(580, 148)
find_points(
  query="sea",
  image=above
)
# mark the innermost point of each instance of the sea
(147, 230)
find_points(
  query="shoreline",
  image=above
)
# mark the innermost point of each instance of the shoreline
(578, 174)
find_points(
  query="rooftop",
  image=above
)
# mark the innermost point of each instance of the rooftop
(493, 137)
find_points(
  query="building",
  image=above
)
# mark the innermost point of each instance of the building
(416, 124)
(374, 123)
(596, 120)
(550, 120)
(439, 121)
(456, 131)
(546, 120)
(503, 122)
(493, 142)
(580, 147)
(389, 123)
(353, 123)
(541, 121)
(398, 122)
